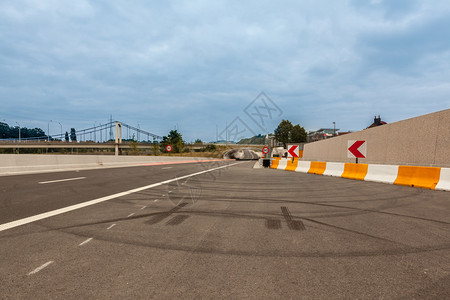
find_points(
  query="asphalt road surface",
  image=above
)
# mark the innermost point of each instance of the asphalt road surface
(235, 232)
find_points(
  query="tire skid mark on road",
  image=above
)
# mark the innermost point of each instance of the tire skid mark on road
(273, 224)
(292, 224)
(161, 216)
(38, 269)
(362, 234)
(177, 220)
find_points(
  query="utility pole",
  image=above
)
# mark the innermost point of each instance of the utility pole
(48, 131)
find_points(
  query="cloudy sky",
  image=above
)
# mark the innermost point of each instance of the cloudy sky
(200, 64)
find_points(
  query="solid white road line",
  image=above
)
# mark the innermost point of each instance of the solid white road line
(56, 212)
(61, 180)
(110, 226)
(41, 267)
(85, 242)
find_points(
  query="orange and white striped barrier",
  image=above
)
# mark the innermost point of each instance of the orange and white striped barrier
(424, 177)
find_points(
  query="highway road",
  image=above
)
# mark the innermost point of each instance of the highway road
(229, 231)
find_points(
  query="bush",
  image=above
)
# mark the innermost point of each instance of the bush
(210, 148)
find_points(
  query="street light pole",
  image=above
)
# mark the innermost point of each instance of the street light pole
(48, 131)
(61, 131)
(334, 128)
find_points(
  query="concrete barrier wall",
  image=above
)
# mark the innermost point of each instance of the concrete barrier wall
(23, 163)
(415, 176)
(420, 141)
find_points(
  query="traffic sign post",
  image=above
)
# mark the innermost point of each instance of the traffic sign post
(266, 160)
(356, 149)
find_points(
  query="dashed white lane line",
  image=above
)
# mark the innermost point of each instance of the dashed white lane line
(85, 242)
(56, 212)
(143, 207)
(156, 200)
(166, 168)
(41, 268)
(110, 226)
(62, 180)
(130, 215)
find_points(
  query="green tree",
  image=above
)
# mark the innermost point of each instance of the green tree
(4, 130)
(287, 133)
(298, 134)
(73, 135)
(66, 137)
(283, 132)
(198, 141)
(175, 139)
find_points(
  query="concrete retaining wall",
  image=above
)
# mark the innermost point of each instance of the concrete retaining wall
(420, 141)
(30, 163)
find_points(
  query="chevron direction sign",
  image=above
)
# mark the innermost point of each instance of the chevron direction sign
(293, 150)
(356, 149)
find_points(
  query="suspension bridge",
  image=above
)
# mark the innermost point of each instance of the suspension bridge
(98, 134)
(109, 135)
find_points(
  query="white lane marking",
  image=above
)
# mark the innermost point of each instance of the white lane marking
(41, 267)
(56, 212)
(61, 180)
(130, 215)
(85, 242)
(143, 207)
(110, 226)
(155, 200)
(166, 168)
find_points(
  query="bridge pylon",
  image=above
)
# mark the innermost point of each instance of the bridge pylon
(118, 136)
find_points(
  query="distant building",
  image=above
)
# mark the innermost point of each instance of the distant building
(344, 132)
(377, 122)
(321, 134)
